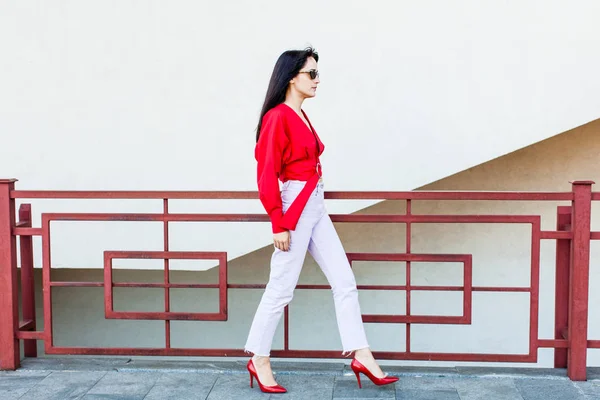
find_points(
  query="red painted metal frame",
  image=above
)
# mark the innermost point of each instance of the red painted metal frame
(579, 281)
(27, 281)
(561, 298)
(465, 259)
(110, 313)
(409, 219)
(570, 342)
(9, 302)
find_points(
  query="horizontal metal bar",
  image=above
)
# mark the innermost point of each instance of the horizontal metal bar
(593, 344)
(156, 217)
(424, 219)
(595, 195)
(193, 352)
(76, 284)
(437, 288)
(26, 325)
(166, 316)
(414, 319)
(454, 195)
(167, 285)
(128, 194)
(553, 343)
(193, 285)
(139, 351)
(396, 287)
(163, 255)
(29, 335)
(595, 235)
(137, 285)
(258, 286)
(556, 235)
(336, 195)
(301, 287)
(417, 356)
(407, 257)
(500, 289)
(360, 287)
(376, 218)
(229, 286)
(27, 231)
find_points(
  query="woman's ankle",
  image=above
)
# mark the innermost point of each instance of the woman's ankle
(261, 360)
(363, 353)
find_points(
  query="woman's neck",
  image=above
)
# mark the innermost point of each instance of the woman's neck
(294, 101)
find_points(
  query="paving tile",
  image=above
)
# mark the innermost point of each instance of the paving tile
(416, 371)
(236, 386)
(126, 384)
(416, 394)
(426, 387)
(109, 397)
(347, 388)
(64, 385)
(126, 378)
(182, 386)
(184, 366)
(307, 368)
(534, 389)
(425, 383)
(24, 373)
(73, 364)
(487, 389)
(509, 372)
(590, 389)
(593, 373)
(302, 387)
(14, 384)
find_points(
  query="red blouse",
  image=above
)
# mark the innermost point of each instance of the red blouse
(287, 149)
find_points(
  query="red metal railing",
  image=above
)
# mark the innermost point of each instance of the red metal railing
(573, 236)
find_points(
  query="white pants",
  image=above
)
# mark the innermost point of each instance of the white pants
(314, 232)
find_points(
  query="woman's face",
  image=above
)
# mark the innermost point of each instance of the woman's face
(303, 83)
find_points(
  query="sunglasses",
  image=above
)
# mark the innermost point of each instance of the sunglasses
(313, 73)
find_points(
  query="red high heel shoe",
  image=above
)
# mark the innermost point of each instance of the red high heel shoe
(357, 367)
(265, 389)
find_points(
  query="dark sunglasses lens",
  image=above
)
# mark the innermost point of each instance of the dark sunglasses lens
(313, 74)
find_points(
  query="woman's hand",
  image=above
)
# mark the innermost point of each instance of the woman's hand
(282, 240)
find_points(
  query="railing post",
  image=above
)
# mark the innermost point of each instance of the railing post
(27, 280)
(579, 280)
(9, 305)
(561, 299)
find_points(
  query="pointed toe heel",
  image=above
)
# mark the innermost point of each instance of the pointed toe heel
(266, 389)
(358, 368)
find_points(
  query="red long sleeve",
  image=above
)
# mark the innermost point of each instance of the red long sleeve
(269, 155)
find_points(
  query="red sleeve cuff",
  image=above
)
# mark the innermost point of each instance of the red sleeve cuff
(276, 221)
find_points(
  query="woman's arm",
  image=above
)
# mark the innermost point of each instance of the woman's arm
(269, 154)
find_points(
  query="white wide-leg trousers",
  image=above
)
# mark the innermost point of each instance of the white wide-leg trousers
(314, 232)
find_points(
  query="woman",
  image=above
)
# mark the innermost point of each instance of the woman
(288, 149)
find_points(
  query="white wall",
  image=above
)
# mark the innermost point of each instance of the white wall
(165, 95)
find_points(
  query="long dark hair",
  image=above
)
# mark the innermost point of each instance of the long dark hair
(286, 68)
